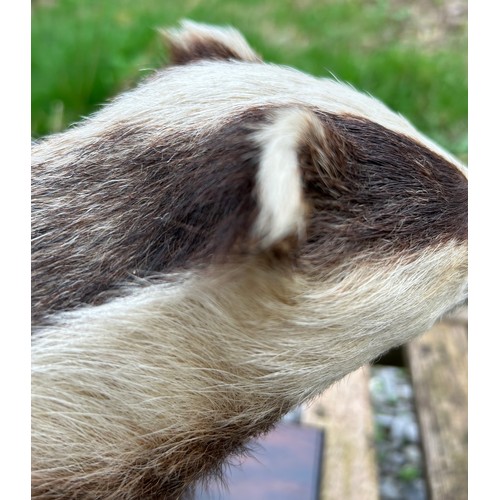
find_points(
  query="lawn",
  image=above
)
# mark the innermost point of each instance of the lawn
(411, 55)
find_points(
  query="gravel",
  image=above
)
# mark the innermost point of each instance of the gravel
(397, 436)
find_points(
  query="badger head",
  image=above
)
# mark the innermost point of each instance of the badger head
(220, 160)
(233, 236)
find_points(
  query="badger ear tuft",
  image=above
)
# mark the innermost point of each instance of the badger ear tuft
(281, 200)
(196, 41)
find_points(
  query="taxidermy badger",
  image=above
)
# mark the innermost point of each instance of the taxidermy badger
(215, 247)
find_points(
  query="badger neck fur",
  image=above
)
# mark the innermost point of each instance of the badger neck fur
(215, 247)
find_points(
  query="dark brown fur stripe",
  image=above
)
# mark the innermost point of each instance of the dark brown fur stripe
(201, 49)
(132, 207)
(378, 193)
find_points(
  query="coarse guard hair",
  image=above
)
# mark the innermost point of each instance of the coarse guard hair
(215, 247)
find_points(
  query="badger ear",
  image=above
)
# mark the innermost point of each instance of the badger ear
(285, 144)
(195, 41)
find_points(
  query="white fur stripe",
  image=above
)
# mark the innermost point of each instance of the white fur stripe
(279, 181)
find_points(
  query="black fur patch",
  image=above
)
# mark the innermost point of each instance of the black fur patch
(200, 49)
(130, 208)
(378, 193)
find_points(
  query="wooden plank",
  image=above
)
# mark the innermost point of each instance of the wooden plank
(438, 366)
(344, 413)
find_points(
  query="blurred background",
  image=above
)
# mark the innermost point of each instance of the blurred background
(411, 55)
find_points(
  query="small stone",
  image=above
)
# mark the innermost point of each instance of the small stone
(412, 433)
(414, 490)
(384, 420)
(398, 429)
(404, 429)
(389, 489)
(405, 392)
(413, 454)
(398, 458)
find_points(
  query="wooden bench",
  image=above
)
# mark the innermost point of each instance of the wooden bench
(334, 442)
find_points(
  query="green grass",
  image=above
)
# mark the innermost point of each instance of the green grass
(409, 473)
(86, 51)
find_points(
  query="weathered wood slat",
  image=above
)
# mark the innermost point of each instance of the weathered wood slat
(344, 412)
(438, 366)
